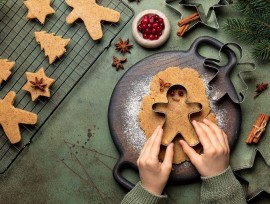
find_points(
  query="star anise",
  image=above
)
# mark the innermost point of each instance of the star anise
(162, 85)
(123, 46)
(38, 84)
(118, 63)
(260, 88)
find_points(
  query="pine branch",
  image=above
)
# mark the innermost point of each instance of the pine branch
(241, 30)
(257, 6)
(262, 51)
(253, 28)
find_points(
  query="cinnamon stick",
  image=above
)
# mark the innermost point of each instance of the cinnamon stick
(181, 31)
(188, 19)
(258, 128)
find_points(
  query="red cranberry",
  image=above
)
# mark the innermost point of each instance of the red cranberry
(160, 20)
(159, 34)
(145, 36)
(162, 25)
(152, 19)
(151, 37)
(154, 31)
(144, 26)
(147, 31)
(156, 37)
(159, 29)
(155, 25)
(145, 20)
(146, 16)
(149, 25)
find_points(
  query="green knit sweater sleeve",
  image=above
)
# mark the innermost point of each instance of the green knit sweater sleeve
(139, 195)
(223, 188)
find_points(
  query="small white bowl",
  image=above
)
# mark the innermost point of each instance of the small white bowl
(150, 43)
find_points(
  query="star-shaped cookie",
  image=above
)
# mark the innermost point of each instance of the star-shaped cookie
(92, 15)
(53, 46)
(257, 176)
(5, 67)
(38, 9)
(11, 117)
(38, 84)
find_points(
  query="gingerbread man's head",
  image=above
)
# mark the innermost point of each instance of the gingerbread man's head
(176, 93)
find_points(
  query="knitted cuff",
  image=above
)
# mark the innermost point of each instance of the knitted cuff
(219, 182)
(223, 188)
(140, 195)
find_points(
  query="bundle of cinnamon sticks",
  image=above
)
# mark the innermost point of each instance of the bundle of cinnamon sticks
(257, 129)
(185, 23)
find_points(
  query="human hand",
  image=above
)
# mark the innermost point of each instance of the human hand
(154, 174)
(216, 150)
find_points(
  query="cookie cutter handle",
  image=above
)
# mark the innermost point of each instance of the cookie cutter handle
(232, 59)
(117, 173)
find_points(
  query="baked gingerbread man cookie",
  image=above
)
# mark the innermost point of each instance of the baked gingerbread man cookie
(53, 46)
(39, 9)
(91, 14)
(11, 117)
(38, 84)
(5, 67)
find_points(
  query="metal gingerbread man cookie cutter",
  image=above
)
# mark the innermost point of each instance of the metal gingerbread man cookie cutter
(182, 132)
(223, 75)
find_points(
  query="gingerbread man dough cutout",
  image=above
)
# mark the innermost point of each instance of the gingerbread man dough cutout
(190, 79)
(177, 116)
(11, 117)
(92, 15)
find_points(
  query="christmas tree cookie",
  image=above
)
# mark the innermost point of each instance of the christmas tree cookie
(38, 84)
(38, 9)
(53, 46)
(5, 67)
(11, 117)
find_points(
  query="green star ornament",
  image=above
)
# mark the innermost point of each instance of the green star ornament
(257, 176)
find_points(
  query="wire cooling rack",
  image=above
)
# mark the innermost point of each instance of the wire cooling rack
(17, 43)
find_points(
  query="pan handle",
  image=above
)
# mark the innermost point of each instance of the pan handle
(117, 173)
(232, 59)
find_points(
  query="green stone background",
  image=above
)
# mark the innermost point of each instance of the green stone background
(48, 171)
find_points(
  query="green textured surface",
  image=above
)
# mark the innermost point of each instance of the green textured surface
(60, 165)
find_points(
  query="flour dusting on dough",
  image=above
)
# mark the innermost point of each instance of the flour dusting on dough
(131, 110)
(220, 114)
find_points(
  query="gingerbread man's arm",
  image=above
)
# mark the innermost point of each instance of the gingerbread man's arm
(160, 107)
(9, 98)
(72, 17)
(113, 17)
(25, 117)
(194, 107)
